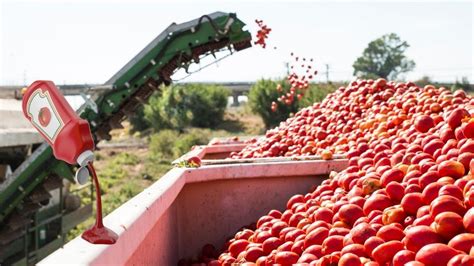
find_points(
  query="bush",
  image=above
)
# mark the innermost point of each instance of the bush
(207, 104)
(186, 141)
(315, 93)
(264, 92)
(137, 120)
(171, 144)
(463, 85)
(161, 143)
(193, 105)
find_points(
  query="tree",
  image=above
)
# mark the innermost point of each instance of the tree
(384, 58)
(463, 84)
(425, 80)
(182, 106)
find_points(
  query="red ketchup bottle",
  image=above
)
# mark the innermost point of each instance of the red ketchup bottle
(71, 140)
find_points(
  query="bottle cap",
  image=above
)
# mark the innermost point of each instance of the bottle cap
(82, 175)
(84, 158)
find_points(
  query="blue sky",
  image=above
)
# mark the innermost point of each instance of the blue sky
(87, 42)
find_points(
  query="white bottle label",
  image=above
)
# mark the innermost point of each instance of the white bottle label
(43, 114)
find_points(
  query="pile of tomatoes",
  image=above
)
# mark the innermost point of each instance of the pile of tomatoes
(406, 197)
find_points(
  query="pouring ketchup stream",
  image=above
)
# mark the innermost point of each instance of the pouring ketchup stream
(98, 234)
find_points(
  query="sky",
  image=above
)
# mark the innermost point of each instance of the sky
(86, 42)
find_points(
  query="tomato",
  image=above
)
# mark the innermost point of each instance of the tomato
(349, 259)
(316, 250)
(307, 258)
(253, 254)
(402, 257)
(385, 252)
(448, 224)
(349, 213)
(395, 191)
(295, 199)
(394, 214)
(376, 202)
(462, 242)
(447, 203)
(391, 232)
(237, 247)
(262, 236)
(468, 220)
(316, 237)
(338, 231)
(361, 233)
(461, 260)
(277, 227)
(264, 219)
(323, 214)
(411, 202)
(270, 244)
(371, 243)
(436, 254)
(430, 192)
(332, 244)
(391, 175)
(417, 237)
(286, 258)
(244, 234)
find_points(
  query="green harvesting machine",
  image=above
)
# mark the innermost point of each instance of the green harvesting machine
(32, 222)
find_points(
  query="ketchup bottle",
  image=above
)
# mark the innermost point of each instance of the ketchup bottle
(71, 140)
(50, 113)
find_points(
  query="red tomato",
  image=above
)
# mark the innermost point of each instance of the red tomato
(448, 224)
(411, 202)
(402, 257)
(385, 252)
(349, 259)
(417, 237)
(461, 260)
(237, 247)
(286, 258)
(332, 244)
(436, 254)
(391, 232)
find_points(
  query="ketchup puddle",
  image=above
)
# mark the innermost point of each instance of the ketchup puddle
(98, 234)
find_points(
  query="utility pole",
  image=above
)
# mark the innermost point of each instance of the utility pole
(327, 73)
(287, 66)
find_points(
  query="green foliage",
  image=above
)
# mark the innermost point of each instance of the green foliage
(425, 80)
(168, 144)
(125, 158)
(186, 141)
(260, 99)
(315, 93)
(137, 120)
(207, 104)
(264, 92)
(161, 143)
(384, 58)
(192, 105)
(463, 84)
(154, 169)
